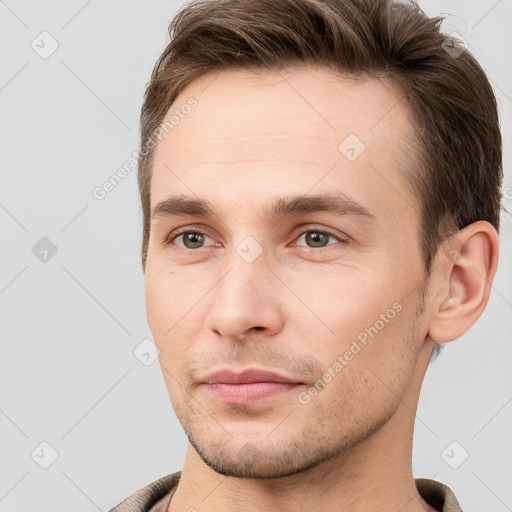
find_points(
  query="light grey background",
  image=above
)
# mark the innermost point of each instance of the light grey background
(69, 326)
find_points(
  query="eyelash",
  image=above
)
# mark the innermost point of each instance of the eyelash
(174, 235)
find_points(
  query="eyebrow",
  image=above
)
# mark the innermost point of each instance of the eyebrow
(335, 202)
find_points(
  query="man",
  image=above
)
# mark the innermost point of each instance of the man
(320, 184)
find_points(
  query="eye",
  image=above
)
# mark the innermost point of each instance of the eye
(190, 239)
(318, 238)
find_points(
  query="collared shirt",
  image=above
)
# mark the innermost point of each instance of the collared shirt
(157, 496)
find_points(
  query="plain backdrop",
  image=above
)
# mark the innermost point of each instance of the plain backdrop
(75, 393)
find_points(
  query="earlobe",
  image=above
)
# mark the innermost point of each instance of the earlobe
(465, 266)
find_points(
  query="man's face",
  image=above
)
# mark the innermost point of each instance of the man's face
(293, 294)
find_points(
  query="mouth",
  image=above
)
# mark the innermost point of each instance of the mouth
(249, 386)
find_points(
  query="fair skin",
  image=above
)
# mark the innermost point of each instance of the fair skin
(252, 138)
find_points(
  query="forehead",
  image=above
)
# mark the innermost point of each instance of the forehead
(253, 131)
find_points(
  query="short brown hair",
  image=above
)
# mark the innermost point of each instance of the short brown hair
(456, 125)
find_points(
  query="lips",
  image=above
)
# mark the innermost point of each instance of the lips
(247, 387)
(246, 377)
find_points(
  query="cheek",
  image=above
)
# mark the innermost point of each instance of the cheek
(342, 302)
(363, 383)
(175, 314)
(157, 301)
(168, 296)
(353, 320)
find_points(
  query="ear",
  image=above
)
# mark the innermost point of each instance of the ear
(464, 268)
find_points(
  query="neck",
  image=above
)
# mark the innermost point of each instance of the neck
(372, 476)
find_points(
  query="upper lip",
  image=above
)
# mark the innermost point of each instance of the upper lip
(246, 377)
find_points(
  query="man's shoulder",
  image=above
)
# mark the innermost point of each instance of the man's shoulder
(146, 498)
(437, 495)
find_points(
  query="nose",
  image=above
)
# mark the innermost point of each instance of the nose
(246, 300)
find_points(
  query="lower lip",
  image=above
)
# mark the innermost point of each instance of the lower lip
(248, 393)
